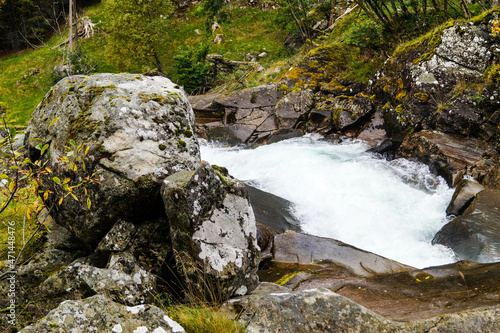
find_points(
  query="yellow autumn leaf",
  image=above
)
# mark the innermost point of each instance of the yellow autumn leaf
(12, 185)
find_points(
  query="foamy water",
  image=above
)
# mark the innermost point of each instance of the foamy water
(391, 208)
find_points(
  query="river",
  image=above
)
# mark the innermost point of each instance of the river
(392, 208)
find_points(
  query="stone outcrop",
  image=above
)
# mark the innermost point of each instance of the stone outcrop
(429, 107)
(309, 98)
(100, 314)
(475, 235)
(419, 81)
(131, 200)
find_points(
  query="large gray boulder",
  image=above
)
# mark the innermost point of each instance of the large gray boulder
(100, 314)
(212, 230)
(138, 129)
(475, 235)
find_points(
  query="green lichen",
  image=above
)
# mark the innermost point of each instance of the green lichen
(253, 97)
(399, 109)
(283, 88)
(82, 124)
(401, 95)
(181, 144)
(160, 99)
(120, 96)
(175, 95)
(162, 147)
(188, 133)
(49, 97)
(485, 17)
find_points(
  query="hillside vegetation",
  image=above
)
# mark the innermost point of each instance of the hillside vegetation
(248, 32)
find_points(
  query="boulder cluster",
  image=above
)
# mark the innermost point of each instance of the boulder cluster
(132, 211)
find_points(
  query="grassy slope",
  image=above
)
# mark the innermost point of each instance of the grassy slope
(250, 30)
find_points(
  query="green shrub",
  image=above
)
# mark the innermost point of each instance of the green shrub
(193, 69)
(365, 34)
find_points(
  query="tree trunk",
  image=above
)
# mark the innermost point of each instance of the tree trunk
(70, 50)
(332, 13)
(75, 22)
(158, 63)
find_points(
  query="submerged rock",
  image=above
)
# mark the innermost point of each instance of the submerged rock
(100, 314)
(272, 210)
(475, 235)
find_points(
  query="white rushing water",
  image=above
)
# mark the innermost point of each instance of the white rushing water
(391, 208)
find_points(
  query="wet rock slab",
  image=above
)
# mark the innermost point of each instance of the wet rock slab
(449, 155)
(294, 247)
(475, 235)
(272, 308)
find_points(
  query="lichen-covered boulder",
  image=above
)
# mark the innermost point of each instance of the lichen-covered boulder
(212, 229)
(138, 130)
(423, 84)
(271, 308)
(475, 235)
(100, 314)
(122, 280)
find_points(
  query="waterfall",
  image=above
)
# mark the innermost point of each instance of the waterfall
(392, 208)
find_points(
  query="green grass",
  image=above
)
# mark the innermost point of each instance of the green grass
(22, 91)
(13, 219)
(248, 31)
(202, 319)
